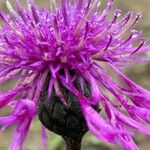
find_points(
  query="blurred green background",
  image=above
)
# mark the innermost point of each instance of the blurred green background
(139, 73)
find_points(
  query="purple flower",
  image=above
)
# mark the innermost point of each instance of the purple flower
(73, 36)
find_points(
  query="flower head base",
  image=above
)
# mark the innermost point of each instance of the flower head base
(74, 36)
(65, 120)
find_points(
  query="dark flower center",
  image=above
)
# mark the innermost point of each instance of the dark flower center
(66, 121)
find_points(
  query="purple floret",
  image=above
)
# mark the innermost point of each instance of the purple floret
(76, 36)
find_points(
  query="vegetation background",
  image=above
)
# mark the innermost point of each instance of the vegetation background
(139, 73)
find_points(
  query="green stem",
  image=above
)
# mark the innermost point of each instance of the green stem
(73, 144)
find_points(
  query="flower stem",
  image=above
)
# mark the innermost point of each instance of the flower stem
(73, 144)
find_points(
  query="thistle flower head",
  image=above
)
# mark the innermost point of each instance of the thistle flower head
(71, 42)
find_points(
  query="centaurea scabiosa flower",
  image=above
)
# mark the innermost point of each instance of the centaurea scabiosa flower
(51, 54)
